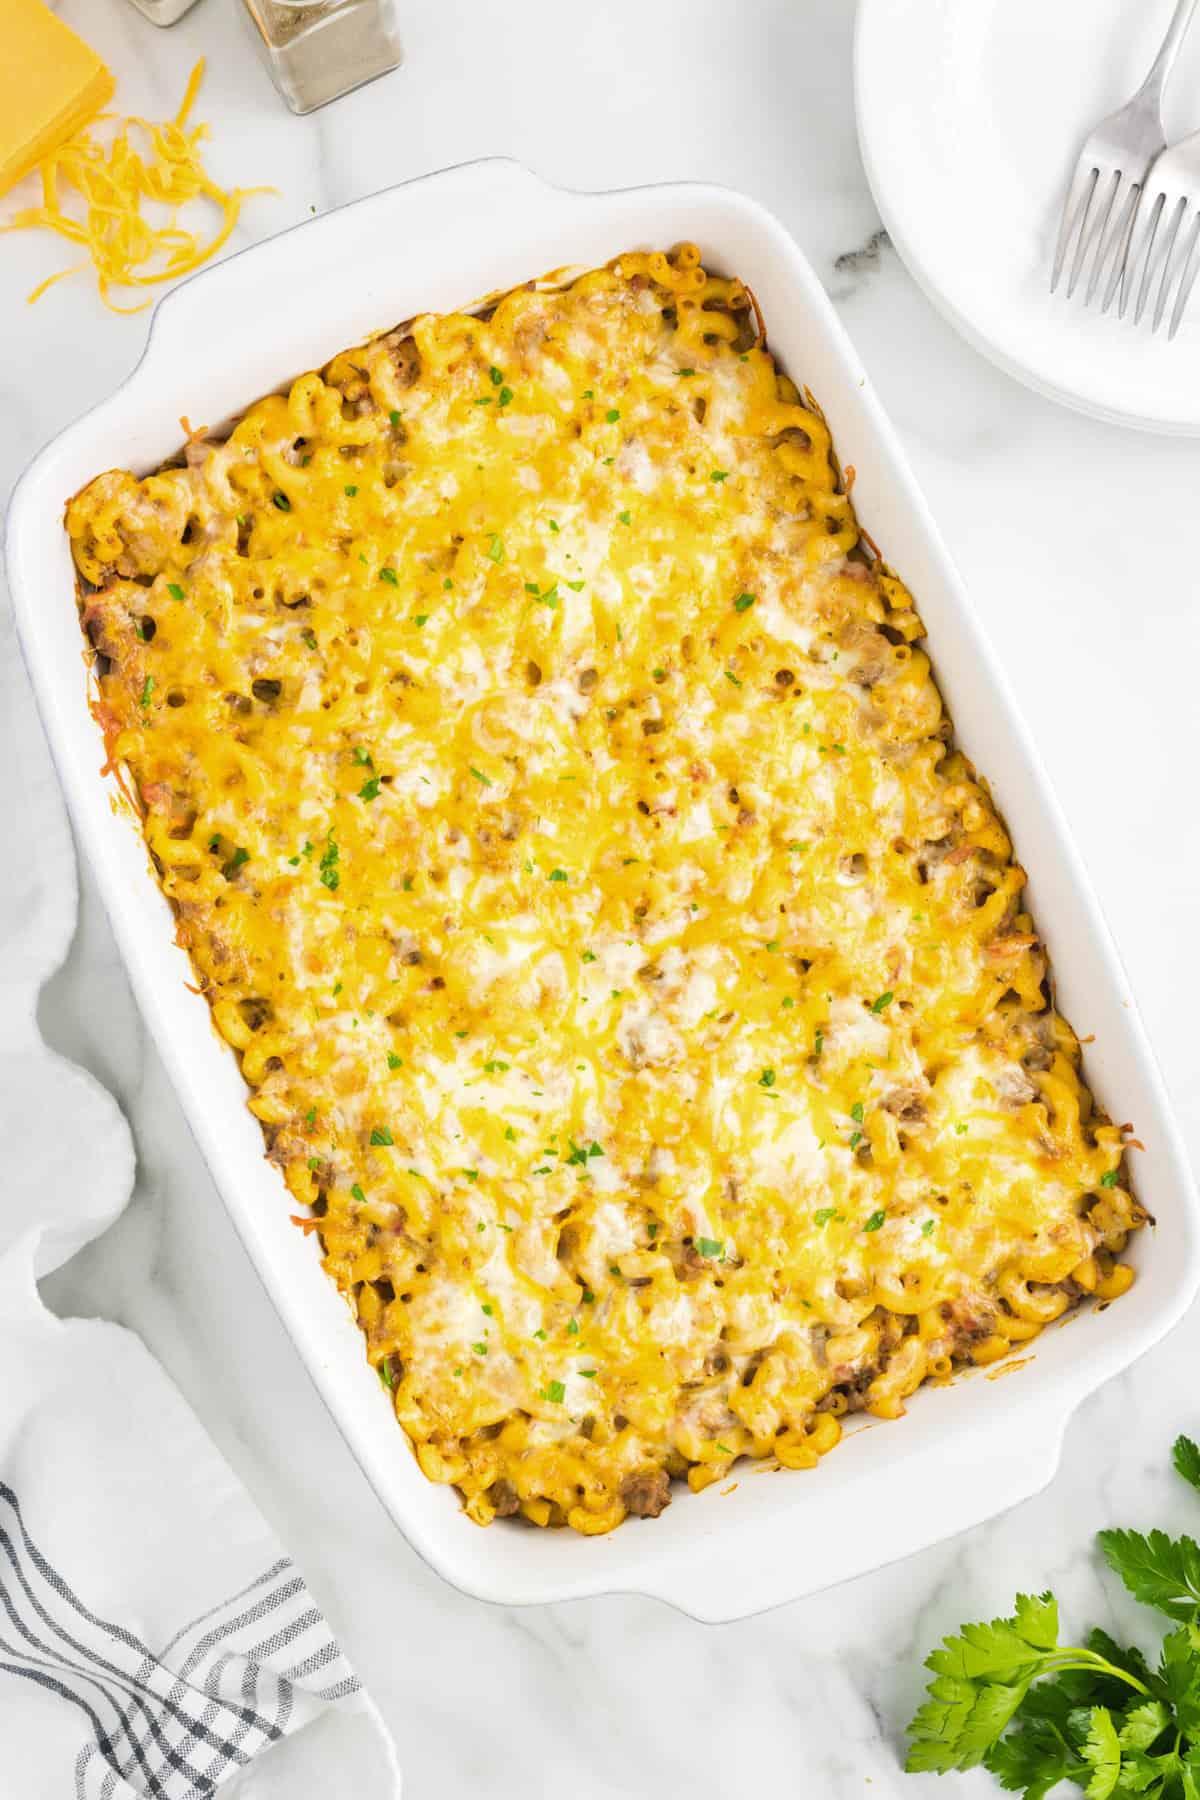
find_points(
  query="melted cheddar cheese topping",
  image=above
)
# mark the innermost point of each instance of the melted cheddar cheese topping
(632, 978)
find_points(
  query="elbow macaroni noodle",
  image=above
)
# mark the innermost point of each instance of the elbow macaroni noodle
(632, 977)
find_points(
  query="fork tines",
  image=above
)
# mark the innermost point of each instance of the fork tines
(1165, 246)
(1100, 208)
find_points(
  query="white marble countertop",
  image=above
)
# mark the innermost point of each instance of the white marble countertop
(1076, 540)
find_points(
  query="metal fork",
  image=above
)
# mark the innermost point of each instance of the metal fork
(1115, 161)
(1170, 199)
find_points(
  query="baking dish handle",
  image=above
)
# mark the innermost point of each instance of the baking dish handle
(898, 1507)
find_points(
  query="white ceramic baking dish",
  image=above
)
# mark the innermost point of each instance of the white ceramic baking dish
(963, 1452)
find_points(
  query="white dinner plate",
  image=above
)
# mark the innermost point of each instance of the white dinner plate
(970, 116)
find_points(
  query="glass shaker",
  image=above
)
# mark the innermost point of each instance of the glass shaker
(316, 50)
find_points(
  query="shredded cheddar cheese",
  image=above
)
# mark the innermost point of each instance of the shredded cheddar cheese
(124, 246)
(632, 977)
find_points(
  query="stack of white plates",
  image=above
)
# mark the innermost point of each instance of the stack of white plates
(970, 115)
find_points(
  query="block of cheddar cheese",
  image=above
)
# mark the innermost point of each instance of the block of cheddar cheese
(51, 83)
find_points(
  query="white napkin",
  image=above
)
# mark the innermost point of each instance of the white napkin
(155, 1638)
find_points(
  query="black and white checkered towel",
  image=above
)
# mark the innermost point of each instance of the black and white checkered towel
(170, 1725)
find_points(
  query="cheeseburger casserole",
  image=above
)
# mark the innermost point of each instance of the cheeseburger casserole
(631, 976)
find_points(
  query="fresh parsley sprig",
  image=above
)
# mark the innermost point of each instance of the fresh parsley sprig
(1006, 1694)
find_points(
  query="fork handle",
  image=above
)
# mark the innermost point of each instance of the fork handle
(1164, 62)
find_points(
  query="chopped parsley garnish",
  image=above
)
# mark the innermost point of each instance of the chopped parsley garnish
(394, 1061)
(389, 575)
(495, 1066)
(495, 376)
(495, 549)
(556, 1392)
(743, 603)
(369, 789)
(714, 1247)
(1109, 1178)
(818, 1043)
(350, 492)
(589, 1299)
(505, 396)
(612, 415)
(856, 1112)
(480, 1349)
(729, 676)
(237, 861)
(175, 591)
(875, 1221)
(282, 502)
(884, 1000)
(329, 866)
(488, 1308)
(381, 1135)
(927, 1227)
(480, 777)
(823, 1216)
(588, 956)
(576, 587)
(572, 1327)
(357, 1193)
(362, 756)
(767, 1078)
(385, 1374)
(624, 517)
(147, 690)
(394, 417)
(559, 875)
(719, 475)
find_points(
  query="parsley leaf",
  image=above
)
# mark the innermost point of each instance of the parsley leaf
(1186, 1457)
(1158, 1570)
(1102, 1753)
